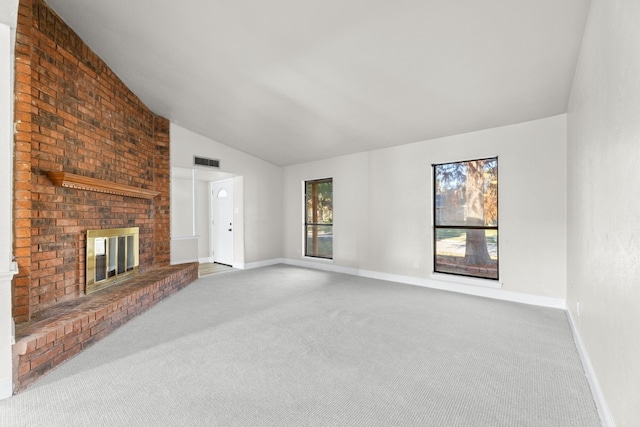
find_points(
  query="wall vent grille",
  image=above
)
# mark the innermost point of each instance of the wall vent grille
(202, 161)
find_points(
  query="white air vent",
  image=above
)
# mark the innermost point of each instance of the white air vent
(201, 161)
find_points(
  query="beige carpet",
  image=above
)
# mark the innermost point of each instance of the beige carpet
(286, 346)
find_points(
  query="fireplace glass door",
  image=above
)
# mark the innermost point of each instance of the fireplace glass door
(101, 258)
(112, 255)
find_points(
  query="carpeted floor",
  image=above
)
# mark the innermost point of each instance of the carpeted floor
(286, 346)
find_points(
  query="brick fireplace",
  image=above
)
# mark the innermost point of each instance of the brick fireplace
(75, 117)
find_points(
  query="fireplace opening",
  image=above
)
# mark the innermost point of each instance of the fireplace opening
(112, 257)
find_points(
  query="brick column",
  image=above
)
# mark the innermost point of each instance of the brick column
(162, 181)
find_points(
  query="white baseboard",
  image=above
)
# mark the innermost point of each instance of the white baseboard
(601, 404)
(183, 261)
(264, 263)
(6, 389)
(7, 276)
(7, 326)
(446, 284)
(205, 260)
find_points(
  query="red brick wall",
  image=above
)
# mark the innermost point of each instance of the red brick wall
(73, 114)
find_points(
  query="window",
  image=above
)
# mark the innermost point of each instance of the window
(466, 218)
(318, 220)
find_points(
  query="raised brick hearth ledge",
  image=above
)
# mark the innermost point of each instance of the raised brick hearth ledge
(59, 332)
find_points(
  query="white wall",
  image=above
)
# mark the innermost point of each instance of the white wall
(382, 204)
(8, 16)
(257, 194)
(603, 203)
(202, 220)
(183, 188)
(184, 237)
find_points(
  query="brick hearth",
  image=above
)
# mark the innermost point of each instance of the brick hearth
(59, 332)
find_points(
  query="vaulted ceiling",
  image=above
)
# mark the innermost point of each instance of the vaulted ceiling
(291, 81)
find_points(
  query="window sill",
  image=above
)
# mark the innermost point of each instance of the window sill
(485, 283)
(313, 258)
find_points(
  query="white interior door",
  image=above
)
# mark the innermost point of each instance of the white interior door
(222, 221)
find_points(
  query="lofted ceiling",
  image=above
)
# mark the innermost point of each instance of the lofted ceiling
(291, 81)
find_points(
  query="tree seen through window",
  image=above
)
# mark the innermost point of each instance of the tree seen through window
(319, 218)
(466, 218)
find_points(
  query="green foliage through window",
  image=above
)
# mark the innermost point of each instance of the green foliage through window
(319, 218)
(466, 218)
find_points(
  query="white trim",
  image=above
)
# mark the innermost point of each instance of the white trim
(205, 260)
(7, 276)
(183, 261)
(319, 265)
(318, 259)
(8, 19)
(258, 264)
(7, 62)
(601, 404)
(463, 288)
(185, 238)
(6, 389)
(466, 280)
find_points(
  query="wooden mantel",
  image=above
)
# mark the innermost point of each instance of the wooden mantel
(70, 180)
